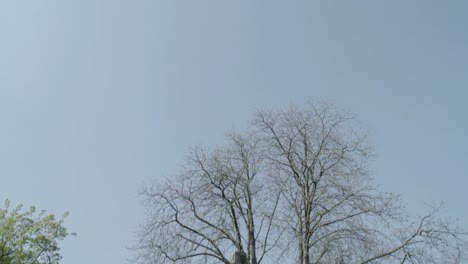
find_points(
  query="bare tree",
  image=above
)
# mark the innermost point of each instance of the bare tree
(294, 189)
(215, 206)
(330, 203)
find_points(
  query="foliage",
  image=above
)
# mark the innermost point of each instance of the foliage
(30, 237)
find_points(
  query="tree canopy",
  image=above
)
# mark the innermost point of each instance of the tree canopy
(293, 188)
(30, 237)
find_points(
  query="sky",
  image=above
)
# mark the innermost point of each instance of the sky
(98, 97)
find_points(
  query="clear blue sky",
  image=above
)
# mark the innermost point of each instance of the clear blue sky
(98, 96)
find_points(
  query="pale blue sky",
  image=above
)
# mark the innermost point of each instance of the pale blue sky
(98, 96)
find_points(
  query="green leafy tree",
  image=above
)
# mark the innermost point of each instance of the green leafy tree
(30, 237)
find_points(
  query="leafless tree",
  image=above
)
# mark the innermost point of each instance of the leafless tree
(217, 205)
(294, 189)
(330, 203)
